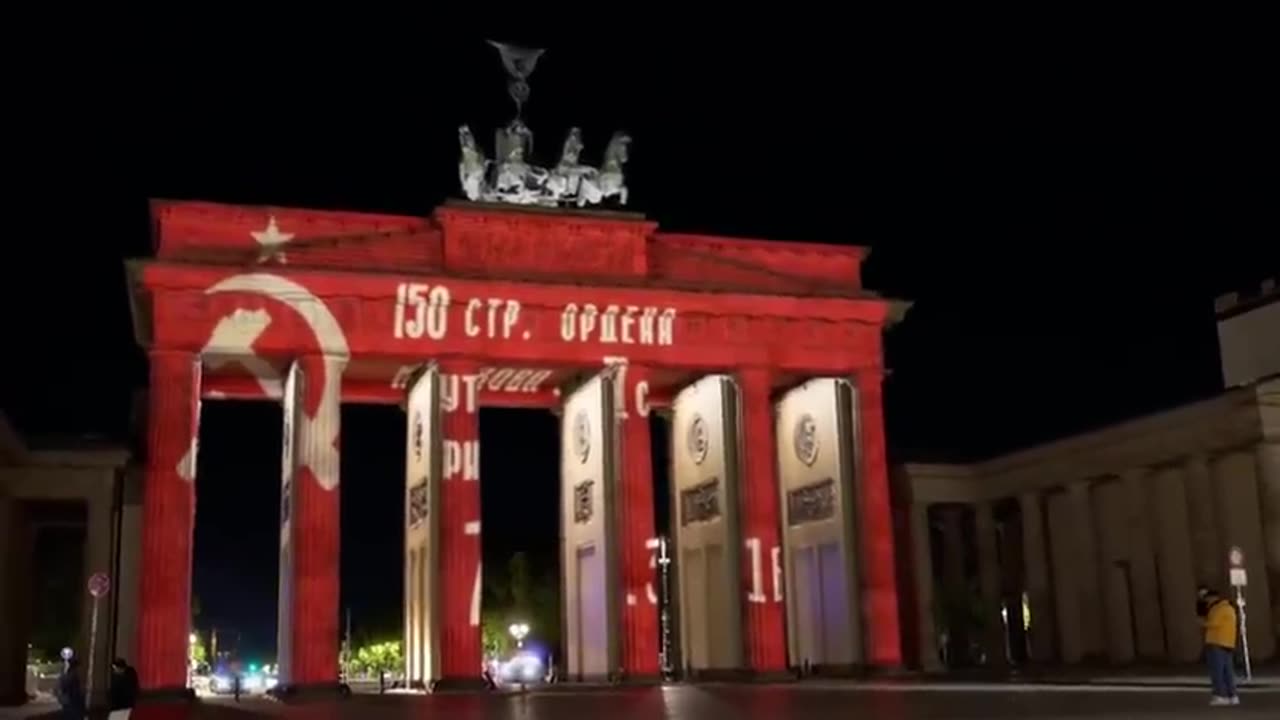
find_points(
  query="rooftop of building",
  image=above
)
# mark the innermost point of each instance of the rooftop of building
(1245, 299)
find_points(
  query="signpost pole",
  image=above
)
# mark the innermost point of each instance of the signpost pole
(1244, 633)
(93, 646)
(99, 585)
(1240, 580)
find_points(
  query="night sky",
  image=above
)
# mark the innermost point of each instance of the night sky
(1062, 211)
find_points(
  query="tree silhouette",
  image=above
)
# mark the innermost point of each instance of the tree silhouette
(521, 584)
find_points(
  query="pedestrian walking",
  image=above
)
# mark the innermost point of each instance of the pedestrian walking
(69, 691)
(1220, 634)
(124, 689)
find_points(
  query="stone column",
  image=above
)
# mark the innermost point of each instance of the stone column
(168, 513)
(1207, 547)
(1013, 587)
(922, 565)
(1066, 576)
(880, 592)
(955, 584)
(310, 613)
(764, 623)
(994, 635)
(1143, 579)
(1240, 524)
(1035, 559)
(1085, 557)
(12, 628)
(636, 534)
(1269, 484)
(460, 572)
(1168, 504)
(1110, 513)
(126, 585)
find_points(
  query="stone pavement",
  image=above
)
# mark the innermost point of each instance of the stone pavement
(809, 701)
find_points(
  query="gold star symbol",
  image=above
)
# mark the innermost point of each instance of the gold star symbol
(271, 241)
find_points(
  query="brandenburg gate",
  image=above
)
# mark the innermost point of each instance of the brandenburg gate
(767, 355)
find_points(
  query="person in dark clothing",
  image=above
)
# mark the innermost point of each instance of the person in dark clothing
(124, 685)
(1202, 602)
(70, 692)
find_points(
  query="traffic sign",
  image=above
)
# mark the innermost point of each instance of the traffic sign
(1239, 578)
(99, 584)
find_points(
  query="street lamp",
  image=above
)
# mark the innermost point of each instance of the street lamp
(192, 641)
(519, 631)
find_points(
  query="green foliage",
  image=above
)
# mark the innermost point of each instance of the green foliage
(199, 653)
(493, 633)
(376, 658)
(516, 595)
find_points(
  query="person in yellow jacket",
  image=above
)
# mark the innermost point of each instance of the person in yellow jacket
(1220, 632)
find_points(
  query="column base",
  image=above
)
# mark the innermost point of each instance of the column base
(771, 676)
(843, 670)
(740, 675)
(310, 691)
(460, 684)
(161, 696)
(856, 671)
(593, 679)
(641, 680)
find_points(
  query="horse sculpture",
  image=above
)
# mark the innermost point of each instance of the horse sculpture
(610, 180)
(473, 166)
(512, 178)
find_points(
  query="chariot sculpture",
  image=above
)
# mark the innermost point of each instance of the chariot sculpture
(511, 176)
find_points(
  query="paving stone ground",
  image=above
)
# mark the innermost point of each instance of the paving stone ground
(808, 701)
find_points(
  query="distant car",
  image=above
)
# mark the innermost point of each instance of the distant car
(523, 669)
(251, 683)
(222, 684)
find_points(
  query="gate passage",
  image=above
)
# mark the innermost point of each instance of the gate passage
(766, 354)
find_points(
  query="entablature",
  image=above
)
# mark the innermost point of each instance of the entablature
(212, 309)
(499, 242)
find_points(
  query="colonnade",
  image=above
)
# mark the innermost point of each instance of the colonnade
(1108, 566)
(308, 642)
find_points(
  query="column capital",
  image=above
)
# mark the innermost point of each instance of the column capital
(868, 374)
(1080, 487)
(1198, 459)
(170, 353)
(755, 378)
(459, 365)
(329, 361)
(1135, 473)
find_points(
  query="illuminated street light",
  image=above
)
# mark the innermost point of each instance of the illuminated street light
(519, 631)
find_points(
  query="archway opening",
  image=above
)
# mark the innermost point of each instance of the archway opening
(372, 544)
(236, 556)
(520, 539)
